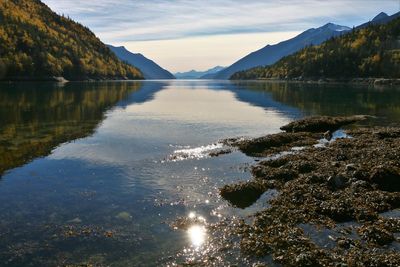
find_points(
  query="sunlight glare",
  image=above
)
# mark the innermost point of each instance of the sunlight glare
(197, 235)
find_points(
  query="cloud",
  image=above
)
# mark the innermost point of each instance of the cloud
(141, 20)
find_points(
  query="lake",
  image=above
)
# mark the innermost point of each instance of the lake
(98, 173)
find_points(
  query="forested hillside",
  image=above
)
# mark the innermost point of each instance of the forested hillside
(373, 51)
(36, 43)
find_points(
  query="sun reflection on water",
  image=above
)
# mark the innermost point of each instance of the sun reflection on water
(197, 235)
(197, 231)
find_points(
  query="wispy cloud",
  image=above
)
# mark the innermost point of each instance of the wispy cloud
(140, 20)
(129, 21)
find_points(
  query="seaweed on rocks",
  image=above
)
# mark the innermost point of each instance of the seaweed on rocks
(275, 143)
(244, 194)
(322, 124)
(347, 181)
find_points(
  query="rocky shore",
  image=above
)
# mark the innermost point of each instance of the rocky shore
(339, 194)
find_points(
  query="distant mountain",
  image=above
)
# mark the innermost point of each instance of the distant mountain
(272, 53)
(198, 74)
(372, 51)
(148, 67)
(36, 43)
(381, 18)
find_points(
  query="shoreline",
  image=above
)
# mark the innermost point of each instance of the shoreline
(63, 80)
(338, 200)
(355, 81)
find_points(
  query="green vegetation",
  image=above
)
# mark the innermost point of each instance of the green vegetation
(373, 51)
(36, 43)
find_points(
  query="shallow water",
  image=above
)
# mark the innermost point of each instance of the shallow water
(96, 173)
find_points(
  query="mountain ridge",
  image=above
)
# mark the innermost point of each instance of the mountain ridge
(270, 54)
(193, 74)
(381, 18)
(150, 69)
(368, 52)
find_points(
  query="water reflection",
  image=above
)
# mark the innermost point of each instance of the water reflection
(326, 99)
(197, 235)
(189, 116)
(36, 117)
(106, 199)
(196, 231)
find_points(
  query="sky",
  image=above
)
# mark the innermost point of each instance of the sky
(182, 35)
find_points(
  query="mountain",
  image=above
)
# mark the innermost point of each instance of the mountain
(272, 53)
(372, 51)
(379, 19)
(198, 74)
(36, 43)
(380, 16)
(149, 68)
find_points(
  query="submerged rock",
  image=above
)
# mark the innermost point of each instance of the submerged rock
(76, 220)
(126, 216)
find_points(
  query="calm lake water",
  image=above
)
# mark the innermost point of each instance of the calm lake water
(96, 173)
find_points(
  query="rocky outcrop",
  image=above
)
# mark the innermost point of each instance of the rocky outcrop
(349, 180)
(321, 123)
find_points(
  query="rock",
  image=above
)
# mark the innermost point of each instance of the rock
(220, 152)
(274, 143)
(267, 173)
(76, 220)
(337, 182)
(357, 168)
(341, 157)
(386, 177)
(321, 124)
(243, 194)
(359, 184)
(350, 167)
(376, 234)
(388, 133)
(126, 216)
(339, 210)
(345, 243)
(328, 135)
(306, 167)
(59, 79)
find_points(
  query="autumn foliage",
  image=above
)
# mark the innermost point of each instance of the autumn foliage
(37, 43)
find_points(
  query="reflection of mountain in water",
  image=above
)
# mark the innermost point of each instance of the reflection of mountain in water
(146, 93)
(36, 117)
(251, 93)
(324, 99)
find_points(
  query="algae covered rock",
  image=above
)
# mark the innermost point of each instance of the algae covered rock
(321, 124)
(349, 182)
(387, 177)
(243, 194)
